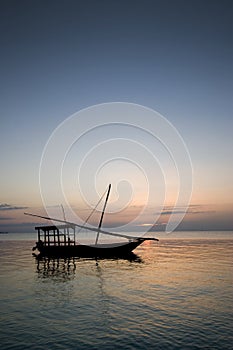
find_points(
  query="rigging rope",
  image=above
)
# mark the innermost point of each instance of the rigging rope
(92, 212)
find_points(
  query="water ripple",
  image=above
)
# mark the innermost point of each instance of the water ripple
(178, 297)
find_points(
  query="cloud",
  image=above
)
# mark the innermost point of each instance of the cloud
(192, 209)
(19, 227)
(6, 218)
(5, 206)
(169, 212)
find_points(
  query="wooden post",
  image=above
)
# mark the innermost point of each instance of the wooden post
(58, 237)
(54, 237)
(64, 236)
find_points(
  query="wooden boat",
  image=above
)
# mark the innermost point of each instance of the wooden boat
(60, 240)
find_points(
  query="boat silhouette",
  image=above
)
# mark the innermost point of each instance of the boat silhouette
(60, 240)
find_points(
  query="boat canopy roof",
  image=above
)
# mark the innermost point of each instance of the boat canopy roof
(55, 227)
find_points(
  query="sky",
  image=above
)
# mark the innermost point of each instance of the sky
(60, 57)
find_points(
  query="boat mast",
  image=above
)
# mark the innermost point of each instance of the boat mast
(102, 215)
(64, 217)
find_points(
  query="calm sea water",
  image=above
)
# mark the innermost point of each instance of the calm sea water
(177, 294)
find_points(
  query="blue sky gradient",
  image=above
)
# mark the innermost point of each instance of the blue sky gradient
(175, 57)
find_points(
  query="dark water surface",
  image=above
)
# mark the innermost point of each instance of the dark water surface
(177, 295)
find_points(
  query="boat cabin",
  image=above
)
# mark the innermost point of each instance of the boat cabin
(59, 235)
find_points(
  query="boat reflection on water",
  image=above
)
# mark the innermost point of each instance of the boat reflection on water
(58, 268)
(64, 268)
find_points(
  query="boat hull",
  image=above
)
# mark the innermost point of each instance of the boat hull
(87, 251)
